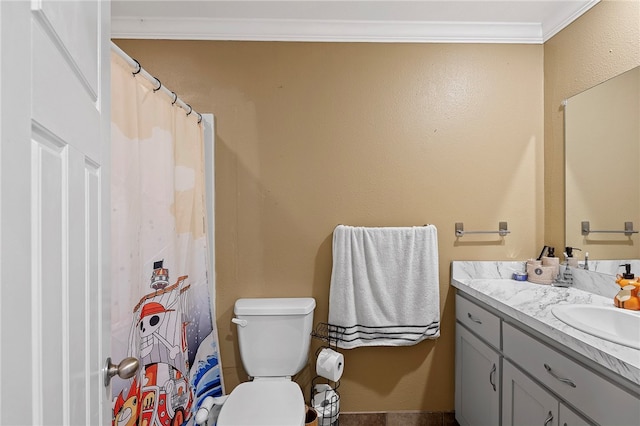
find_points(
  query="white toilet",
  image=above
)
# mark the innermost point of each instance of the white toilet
(274, 336)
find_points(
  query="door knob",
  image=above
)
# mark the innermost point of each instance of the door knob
(127, 368)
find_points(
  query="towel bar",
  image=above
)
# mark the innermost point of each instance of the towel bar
(502, 230)
(628, 229)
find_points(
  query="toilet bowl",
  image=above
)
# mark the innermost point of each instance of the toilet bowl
(274, 337)
(264, 403)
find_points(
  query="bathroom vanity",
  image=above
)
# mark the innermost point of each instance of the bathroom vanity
(517, 364)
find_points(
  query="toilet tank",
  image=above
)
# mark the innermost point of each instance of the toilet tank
(274, 334)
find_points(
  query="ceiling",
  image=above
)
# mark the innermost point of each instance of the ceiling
(433, 21)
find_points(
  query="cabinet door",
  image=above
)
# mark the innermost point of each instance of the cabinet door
(477, 397)
(568, 417)
(524, 402)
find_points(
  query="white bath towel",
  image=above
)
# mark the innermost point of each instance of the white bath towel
(385, 285)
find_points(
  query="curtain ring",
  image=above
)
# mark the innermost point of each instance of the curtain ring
(199, 118)
(190, 110)
(159, 85)
(137, 71)
(175, 98)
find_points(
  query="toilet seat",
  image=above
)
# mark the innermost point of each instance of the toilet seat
(264, 402)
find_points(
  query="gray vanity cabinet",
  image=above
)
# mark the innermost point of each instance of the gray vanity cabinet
(477, 397)
(506, 375)
(526, 403)
(595, 396)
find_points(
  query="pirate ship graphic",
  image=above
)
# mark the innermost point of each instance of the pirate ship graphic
(162, 394)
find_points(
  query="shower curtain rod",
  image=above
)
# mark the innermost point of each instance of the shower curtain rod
(138, 70)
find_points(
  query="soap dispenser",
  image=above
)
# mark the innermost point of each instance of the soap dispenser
(627, 297)
(570, 260)
(550, 260)
(627, 277)
(567, 275)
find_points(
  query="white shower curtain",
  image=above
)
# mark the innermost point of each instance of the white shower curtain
(161, 298)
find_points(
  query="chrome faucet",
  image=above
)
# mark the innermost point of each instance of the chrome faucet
(586, 261)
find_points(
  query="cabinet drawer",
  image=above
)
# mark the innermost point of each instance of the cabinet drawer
(480, 321)
(590, 393)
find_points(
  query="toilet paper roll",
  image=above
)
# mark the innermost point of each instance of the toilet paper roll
(326, 402)
(330, 364)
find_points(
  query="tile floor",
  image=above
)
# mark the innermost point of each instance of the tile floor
(399, 418)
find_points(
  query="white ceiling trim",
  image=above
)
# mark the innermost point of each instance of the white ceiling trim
(555, 24)
(325, 30)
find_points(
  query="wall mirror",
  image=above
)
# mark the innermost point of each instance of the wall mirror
(602, 168)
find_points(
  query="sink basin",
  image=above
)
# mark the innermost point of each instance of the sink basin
(613, 324)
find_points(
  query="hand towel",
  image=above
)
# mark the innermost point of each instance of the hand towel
(385, 285)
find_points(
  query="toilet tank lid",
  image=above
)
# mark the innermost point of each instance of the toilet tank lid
(275, 306)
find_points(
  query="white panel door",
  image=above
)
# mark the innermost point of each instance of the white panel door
(54, 212)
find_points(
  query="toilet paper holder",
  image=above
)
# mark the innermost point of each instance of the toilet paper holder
(325, 400)
(324, 397)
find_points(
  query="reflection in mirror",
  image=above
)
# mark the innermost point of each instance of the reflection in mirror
(614, 267)
(602, 167)
(602, 276)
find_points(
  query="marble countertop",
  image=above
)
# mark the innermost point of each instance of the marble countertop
(530, 304)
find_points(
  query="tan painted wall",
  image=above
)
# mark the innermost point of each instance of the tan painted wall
(601, 44)
(312, 135)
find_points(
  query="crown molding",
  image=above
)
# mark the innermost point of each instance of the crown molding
(556, 23)
(325, 30)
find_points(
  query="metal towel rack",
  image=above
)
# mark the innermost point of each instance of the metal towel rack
(628, 229)
(502, 230)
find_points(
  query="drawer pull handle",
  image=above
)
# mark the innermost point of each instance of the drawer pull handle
(549, 419)
(472, 318)
(491, 377)
(562, 379)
